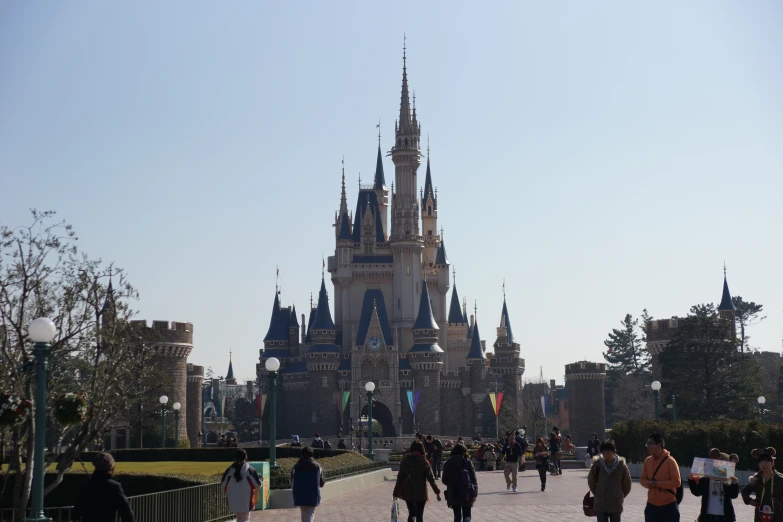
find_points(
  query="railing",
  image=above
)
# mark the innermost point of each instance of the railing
(205, 503)
(283, 481)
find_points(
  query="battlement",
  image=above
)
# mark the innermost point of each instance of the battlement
(585, 369)
(661, 330)
(173, 332)
(195, 373)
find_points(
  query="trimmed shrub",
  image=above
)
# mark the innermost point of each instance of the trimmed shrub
(205, 454)
(689, 439)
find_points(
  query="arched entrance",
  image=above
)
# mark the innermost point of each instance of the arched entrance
(382, 414)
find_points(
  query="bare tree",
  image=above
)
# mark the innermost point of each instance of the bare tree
(96, 352)
(632, 400)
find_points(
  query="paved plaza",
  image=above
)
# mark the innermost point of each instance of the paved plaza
(562, 501)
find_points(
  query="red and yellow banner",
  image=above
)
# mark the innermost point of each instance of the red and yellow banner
(496, 399)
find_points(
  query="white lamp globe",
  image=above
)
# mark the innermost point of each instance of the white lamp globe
(370, 386)
(177, 406)
(762, 400)
(42, 330)
(656, 385)
(163, 399)
(272, 364)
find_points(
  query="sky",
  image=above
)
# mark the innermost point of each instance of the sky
(601, 157)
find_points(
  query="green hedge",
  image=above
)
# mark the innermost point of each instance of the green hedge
(689, 439)
(204, 454)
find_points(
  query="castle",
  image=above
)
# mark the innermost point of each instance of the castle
(393, 322)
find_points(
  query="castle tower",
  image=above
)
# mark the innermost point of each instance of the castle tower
(426, 359)
(508, 366)
(323, 360)
(476, 371)
(379, 185)
(194, 405)
(405, 239)
(230, 379)
(586, 411)
(429, 218)
(171, 350)
(726, 307)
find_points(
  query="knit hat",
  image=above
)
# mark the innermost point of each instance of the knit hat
(103, 462)
(767, 454)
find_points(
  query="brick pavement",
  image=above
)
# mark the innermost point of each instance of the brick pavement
(562, 501)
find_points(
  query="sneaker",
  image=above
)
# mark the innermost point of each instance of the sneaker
(514, 489)
(508, 486)
(543, 487)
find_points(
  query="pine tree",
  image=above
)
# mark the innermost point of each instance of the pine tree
(711, 377)
(747, 314)
(626, 354)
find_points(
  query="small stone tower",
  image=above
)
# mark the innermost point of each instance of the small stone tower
(323, 360)
(508, 366)
(587, 415)
(194, 404)
(726, 307)
(476, 371)
(426, 359)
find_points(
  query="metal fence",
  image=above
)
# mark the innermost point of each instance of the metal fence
(205, 503)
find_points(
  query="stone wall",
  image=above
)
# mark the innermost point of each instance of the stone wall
(585, 383)
(194, 407)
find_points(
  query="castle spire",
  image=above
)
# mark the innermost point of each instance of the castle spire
(230, 373)
(505, 319)
(323, 316)
(425, 319)
(726, 305)
(404, 123)
(343, 197)
(476, 351)
(456, 315)
(380, 180)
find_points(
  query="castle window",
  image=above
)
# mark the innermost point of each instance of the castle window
(429, 211)
(406, 141)
(314, 417)
(398, 303)
(426, 380)
(429, 232)
(324, 382)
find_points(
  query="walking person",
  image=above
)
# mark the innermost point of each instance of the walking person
(436, 447)
(101, 498)
(457, 497)
(716, 495)
(541, 454)
(593, 446)
(610, 481)
(661, 478)
(511, 455)
(241, 482)
(412, 480)
(767, 488)
(522, 448)
(554, 452)
(307, 479)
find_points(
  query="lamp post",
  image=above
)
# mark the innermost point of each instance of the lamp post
(176, 407)
(350, 430)
(272, 365)
(163, 401)
(370, 387)
(399, 426)
(656, 388)
(674, 409)
(41, 332)
(762, 400)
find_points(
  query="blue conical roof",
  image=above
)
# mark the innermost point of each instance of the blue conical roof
(725, 302)
(323, 316)
(475, 345)
(455, 310)
(278, 324)
(293, 321)
(429, 192)
(425, 319)
(440, 257)
(508, 323)
(345, 227)
(230, 374)
(380, 182)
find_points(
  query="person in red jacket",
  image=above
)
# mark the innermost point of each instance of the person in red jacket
(661, 477)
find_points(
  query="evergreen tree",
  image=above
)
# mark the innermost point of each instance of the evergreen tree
(703, 366)
(747, 314)
(626, 354)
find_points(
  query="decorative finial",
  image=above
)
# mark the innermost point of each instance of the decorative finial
(360, 181)
(454, 272)
(414, 100)
(277, 280)
(504, 289)
(441, 233)
(323, 266)
(724, 270)
(311, 300)
(404, 48)
(379, 132)
(475, 309)
(428, 146)
(230, 355)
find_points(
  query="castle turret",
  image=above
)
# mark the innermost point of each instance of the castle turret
(323, 360)
(726, 307)
(585, 385)
(230, 379)
(426, 359)
(381, 192)
(507, 365)
(194, 406)
(429, 219)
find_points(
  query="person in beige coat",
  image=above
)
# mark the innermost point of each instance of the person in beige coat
(610, 481)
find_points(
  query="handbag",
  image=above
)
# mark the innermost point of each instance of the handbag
(395, 511)
(400, 488)
(588, 505)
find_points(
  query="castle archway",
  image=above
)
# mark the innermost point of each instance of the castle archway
(382, 414)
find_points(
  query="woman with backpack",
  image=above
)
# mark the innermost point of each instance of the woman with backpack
(459, 477)
(412, 480)
(240, 482)
(542, 460)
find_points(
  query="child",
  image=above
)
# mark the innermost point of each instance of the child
(240, 482)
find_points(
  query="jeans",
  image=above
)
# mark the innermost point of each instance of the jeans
(437, 464)
(510, 468)
(542, 474)
(667, 513)
(308, 513)
(416, 510)
(608, 517)
(461, 513)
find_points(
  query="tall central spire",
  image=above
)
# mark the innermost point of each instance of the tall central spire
(404, 125)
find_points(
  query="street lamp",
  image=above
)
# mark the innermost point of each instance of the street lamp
(272, 365)
(370, 387)
(163, 401)
(656, 387)
(350, 430)
(762, 400)
(176, 407)
(41, 332)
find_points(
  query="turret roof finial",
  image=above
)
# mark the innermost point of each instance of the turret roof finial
(724, 270)
(379, 132)
(475, 309)
(323, 267)
(277, 279)
(504, 289)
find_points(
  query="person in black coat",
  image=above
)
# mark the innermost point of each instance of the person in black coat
(716, 495)
(101, 498)
(451, 479)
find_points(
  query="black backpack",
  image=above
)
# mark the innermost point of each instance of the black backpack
(466, 490)
(678, 493)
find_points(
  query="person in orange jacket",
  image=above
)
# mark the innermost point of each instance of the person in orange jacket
(661, 477)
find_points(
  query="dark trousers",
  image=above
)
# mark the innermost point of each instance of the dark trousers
(461, 513)
(416, 510)
(608, 517)
(437, 464)
(667, 513)
(542, 474)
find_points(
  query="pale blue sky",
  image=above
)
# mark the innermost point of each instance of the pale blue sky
(603, 157)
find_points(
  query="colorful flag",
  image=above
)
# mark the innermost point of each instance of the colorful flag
(413, 400)
(342, 401)
(500, 400)
(346, 395)
(496, 399)
(260, 403)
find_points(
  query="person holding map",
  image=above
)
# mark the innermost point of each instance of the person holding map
(716, 493)
(767, 488)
